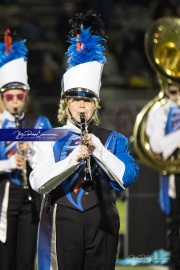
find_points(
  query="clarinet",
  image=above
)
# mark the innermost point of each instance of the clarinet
(27, 195)
(87, 184)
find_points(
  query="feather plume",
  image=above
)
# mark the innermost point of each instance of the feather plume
(89, 19)
(11, 50)
(7, 41)
(86, 38)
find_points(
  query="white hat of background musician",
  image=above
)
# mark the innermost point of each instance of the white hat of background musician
(13, 64)
(14, 75)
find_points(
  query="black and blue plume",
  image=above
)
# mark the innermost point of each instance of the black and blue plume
(86, 37)
(10, 50)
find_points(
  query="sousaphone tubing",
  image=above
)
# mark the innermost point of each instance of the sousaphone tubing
(162, 47)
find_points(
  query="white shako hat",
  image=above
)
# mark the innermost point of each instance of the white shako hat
(86, 57)
(83, 80)
(13, 64)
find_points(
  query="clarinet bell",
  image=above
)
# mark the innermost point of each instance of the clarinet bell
(88, 185)
(27, 196)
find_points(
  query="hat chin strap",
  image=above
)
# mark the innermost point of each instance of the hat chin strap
(77, 124)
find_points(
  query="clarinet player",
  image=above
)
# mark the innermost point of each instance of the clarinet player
(79, 228)
(19, 214)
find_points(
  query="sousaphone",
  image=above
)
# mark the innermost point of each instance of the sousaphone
(162, 47)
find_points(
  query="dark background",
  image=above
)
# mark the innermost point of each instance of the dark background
(44, 23)
(128, 82)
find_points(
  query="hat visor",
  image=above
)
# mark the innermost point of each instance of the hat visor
(80, 93)
(14, 85)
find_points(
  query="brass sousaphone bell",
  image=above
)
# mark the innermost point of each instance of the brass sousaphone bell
(162, 47)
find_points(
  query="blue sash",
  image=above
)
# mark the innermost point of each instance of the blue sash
(172, 124)
(7, 149)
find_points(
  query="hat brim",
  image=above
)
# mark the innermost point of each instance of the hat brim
(14, 85)
(80, 93)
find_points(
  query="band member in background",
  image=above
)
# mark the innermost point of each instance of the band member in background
(79, 173)
(19, 204)
(1, 106)
(164, 136)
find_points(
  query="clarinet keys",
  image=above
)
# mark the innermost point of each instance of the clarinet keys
(88, 184)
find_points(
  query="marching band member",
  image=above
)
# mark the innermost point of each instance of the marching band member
(19, 207)
(164, 137)
(79, 228)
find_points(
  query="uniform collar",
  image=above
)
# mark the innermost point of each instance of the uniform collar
(71, 126)
(171, 103)
(7, 115)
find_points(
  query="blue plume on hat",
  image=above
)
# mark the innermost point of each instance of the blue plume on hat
(86, 48)
(86, 38)
(11, 50)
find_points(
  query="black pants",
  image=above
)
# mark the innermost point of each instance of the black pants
(174, 228)
(87, 240)
(18, 253)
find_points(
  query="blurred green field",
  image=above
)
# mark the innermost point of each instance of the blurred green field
(122, 211)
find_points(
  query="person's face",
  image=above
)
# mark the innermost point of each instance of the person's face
(14, 99)
(81, 105)
(174, 93)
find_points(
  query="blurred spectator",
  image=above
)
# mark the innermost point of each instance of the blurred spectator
(68, 10)
(30, 27)
(105, 8)
(111, 75)
(133, 64)
(4, 19)
(51, 72)
(8, 2)
(165, 8)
